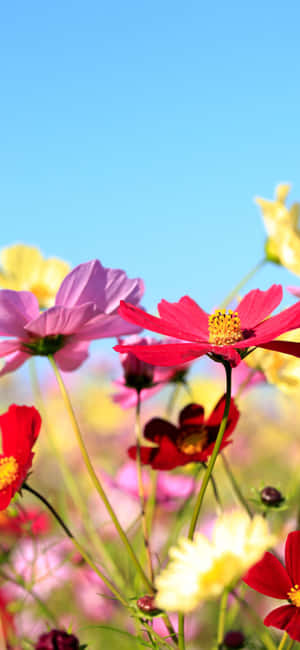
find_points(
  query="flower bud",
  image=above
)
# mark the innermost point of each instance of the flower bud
(270, 496)
(234, 639)
(57, 640)
(147, 605)
(138, 374)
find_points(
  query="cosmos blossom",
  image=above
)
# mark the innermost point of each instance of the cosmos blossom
(191, 442)
(20, 427)
(271, 578)
(223, 335)
(86, 308)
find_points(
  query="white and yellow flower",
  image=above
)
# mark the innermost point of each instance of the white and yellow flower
(202, 569)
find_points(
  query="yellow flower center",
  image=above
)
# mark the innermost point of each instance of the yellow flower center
(294, 595)
(224, 327)
(192, 442)
(8, 471)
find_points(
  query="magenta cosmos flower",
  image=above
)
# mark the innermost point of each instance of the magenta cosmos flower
(271, 578)
(86, 308)
(228, 335)
(142, 377)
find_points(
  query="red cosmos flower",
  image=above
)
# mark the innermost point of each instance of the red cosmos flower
(223, 334)
(191, 442)
(20, 426)
(271, 578)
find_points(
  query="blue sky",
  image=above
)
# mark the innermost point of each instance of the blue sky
(138, 132)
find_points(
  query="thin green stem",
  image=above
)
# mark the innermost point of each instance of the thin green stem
(181, 641)
(75, 542)
(235, 486)
(94, 478)
(172, 399)
(18, 580)
(219, 507)
(264, 635)
(214, 455)
(284, 638)
(241, 284)
(141, 487)
(291, 643)
(221, 620)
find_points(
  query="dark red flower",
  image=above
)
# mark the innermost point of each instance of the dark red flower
(191, 442)
(227, 335)
(57, 640)
(20, 426)
(26, 522)
(271, 578)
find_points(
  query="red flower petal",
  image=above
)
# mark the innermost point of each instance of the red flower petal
(286, 618)
(171, 354)
(160, 325)
(286, 347)
(215, 418)
(192, 414)
(157, 428)
(269, 577)
(164, 457)
(20, 426)
(292, 556)
(6, 496)
(270, 329)
(187, 315)
(257, 305)
(145, 452)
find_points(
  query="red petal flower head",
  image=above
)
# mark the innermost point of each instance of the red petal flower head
(271, 578)
(223, 335)
(191, 441)
(57, 640)
(20, 426)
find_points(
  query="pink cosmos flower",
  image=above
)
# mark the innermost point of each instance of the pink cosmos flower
(86, 308)
(222, 335)
(295, 291)
(143, 376)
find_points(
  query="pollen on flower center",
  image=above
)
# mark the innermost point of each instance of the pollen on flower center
(192, 442)
(294, 595)
(8, 471)
(224, 327)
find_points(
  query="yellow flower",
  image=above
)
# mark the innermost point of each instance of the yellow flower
(202, 569)
(23, 268)
(279, 369)
(281, 223)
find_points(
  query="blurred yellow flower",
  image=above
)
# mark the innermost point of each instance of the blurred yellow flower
(202, 569)
(281, 223)
(23, 268)
(279, 369)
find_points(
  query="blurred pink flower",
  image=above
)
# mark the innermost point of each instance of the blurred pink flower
(93, 597)
(86, 308)
(140, 375)
(170, 487)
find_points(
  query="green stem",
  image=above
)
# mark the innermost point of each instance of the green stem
(21, 583)
(214, 455)
(264, 635)
(77, 544)
(235, 486)
(95, 479)
(172, 399)
(141, 487)
(221, 620)
(181, 641)
(219, 507)
(284, 638)
(240, 285)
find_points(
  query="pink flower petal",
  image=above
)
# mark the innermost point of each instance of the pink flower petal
(9, 346)
(107, 325)
(269, 577)
(187, 315)
(294, 290)
(173, 354)
(72, 355)
(61, 320)
(13, 362)
(16, 309)
(257, 305)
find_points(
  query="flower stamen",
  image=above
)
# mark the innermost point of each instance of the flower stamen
(192, 441)
(224, 327)
(8, 471)
(294, 595)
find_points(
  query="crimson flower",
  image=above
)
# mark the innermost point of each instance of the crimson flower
(228, 335)
(57, 640)
(271, 578)
(20, 427)
(191, 442)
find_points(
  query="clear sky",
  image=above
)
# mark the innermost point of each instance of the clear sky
(138, 132)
